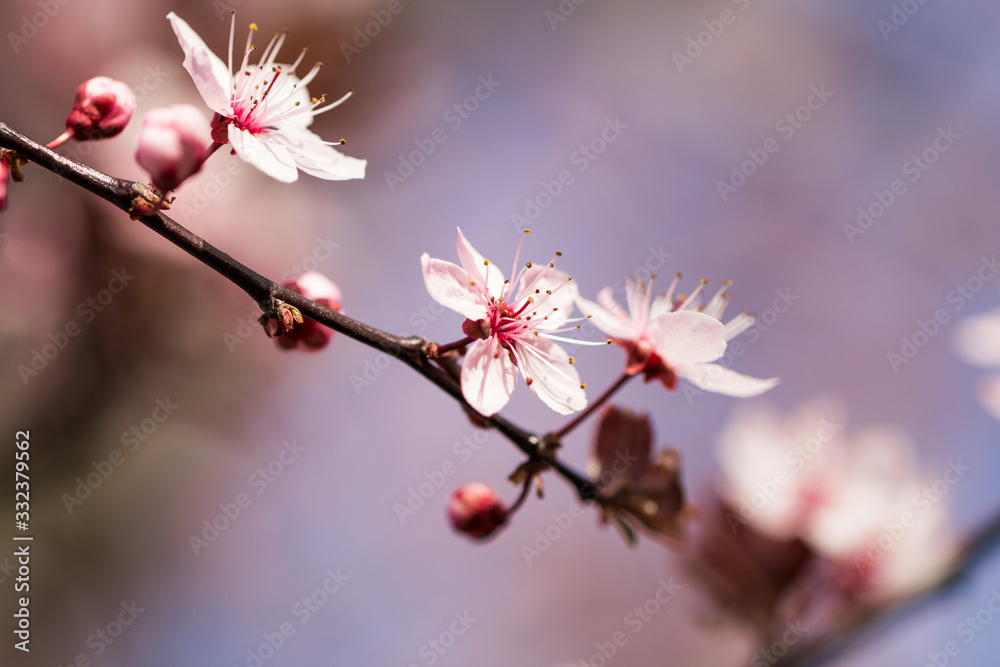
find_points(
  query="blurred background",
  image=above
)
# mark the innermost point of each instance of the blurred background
(838, 97)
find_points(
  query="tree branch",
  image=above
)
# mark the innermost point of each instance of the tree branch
(122, 193)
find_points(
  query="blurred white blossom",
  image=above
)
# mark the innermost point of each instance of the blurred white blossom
(858, 500)
(978, 343)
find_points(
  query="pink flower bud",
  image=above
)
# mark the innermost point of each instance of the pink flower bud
(173, 144)
(4, 173)
(310, 335)
(476, 510)
(102, 108)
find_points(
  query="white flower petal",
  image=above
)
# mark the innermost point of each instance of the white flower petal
(660, 305)
(607, 301)
(210, 74)
(686, 337)
(553, 378)
(449, 285)
(978, 339)
(550, 310)
(721, 380)
(753, 445)
(314, 285)
(316, 158)
(488, 376)
(924, 554)
(988, 391)
(474, 264)
(874, 482)
(738, 325)
(756, 444)
(271, 158)
(607, 321)
(293, 95)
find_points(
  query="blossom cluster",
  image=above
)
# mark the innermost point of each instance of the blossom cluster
(262, 111)
(513, 327)
(821, 509)
(514, 330)
(799, 500)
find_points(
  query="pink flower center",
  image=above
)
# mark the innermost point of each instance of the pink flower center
(507, 322)
(244, 108)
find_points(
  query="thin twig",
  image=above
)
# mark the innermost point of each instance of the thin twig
(608, 393)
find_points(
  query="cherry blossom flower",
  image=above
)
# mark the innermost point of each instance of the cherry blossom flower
(978, 343)
(858, 501)
(883, 524)
(173, 144)
(476, 510)
(264, 110)
(776, 467)
(513, 329)
(665, 340)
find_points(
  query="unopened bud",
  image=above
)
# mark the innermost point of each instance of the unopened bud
(476, 510)
(173, 144)
(4, 173)
(311, 335)
(478, 329)
(102, 108)
(10, 169)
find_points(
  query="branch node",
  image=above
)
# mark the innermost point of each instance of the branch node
(284, 317)
(14, 162)
(530, 472)
(146, 200)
